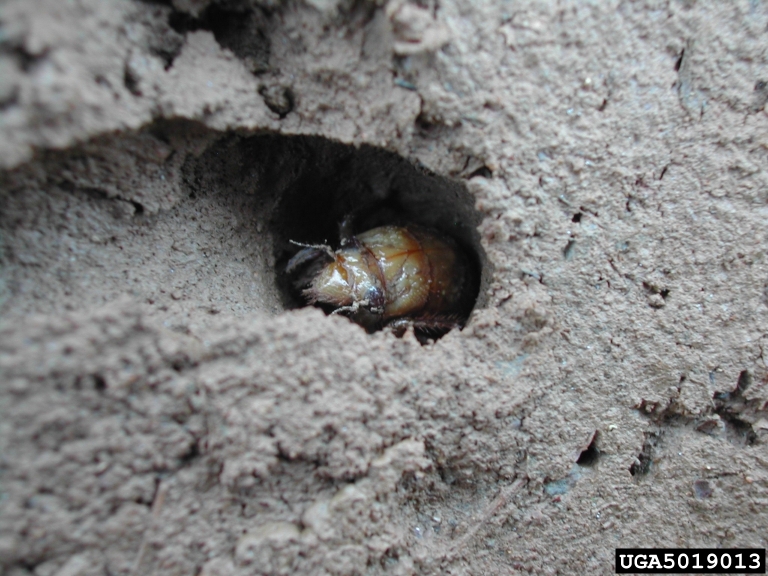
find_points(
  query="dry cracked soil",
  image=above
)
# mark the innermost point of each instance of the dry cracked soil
(167, 406)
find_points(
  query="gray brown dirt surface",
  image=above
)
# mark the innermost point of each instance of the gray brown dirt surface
(165, 408)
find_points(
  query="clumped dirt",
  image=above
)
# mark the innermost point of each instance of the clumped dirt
(165, 408)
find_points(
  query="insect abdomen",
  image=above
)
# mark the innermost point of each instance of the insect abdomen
(422, 273)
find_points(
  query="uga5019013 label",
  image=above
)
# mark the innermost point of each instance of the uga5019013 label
(690, 560)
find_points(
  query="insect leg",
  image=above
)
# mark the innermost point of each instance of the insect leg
(352, 308)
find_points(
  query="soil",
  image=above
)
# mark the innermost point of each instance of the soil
(168, 407)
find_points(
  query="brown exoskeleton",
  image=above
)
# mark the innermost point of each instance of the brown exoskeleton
(395, 276)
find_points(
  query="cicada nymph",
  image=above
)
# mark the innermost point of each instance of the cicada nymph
(395, 276)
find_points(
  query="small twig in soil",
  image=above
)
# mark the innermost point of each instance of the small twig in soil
(492, 509)
(157, 504)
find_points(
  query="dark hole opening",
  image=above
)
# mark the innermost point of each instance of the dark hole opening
(483, 172)
(99, 384)
(590, 455)
(679, 61)
(192, 453)
(744, 381)
(237, 27)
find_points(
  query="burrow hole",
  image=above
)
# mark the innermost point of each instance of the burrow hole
(311, 186)
(591, 454)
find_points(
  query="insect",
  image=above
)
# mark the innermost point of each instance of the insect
(394, 276)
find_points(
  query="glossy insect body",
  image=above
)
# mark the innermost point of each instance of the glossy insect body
(392, 275)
